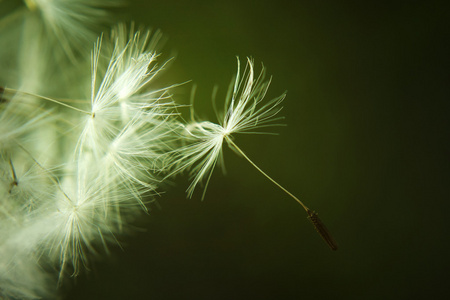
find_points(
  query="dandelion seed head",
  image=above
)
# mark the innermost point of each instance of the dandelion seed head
(244, 113)
(74, 171)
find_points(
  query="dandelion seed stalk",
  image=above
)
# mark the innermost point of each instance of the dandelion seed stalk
(320, 227)
(47, 99)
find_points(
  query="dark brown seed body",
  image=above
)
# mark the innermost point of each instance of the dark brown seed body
(2, 91)
(322, 229)
(15, 181)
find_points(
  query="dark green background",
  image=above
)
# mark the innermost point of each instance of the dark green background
(365, 146)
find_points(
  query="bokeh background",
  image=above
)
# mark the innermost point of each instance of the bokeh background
(365, 146)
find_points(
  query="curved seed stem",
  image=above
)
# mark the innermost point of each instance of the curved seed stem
(312, 215)
(267, 176)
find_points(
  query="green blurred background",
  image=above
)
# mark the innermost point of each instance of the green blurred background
(365, 146)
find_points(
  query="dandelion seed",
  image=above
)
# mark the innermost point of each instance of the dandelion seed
(78, 215)
(120, 95)
(244, 114)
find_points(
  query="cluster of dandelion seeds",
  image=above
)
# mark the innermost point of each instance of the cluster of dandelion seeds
(87, 137)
